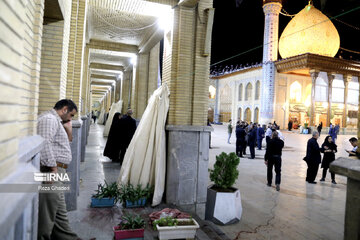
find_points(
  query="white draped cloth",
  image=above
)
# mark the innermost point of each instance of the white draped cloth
(101, 117)
(145, 158)
(115, 107)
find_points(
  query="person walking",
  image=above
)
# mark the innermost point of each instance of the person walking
(56, 128)
(329, 149)
(273, 158)
(230, 128)
(290, 125)
(319, 128)
(260, 135)
(127, 129)
(312, 158)
(252, 140)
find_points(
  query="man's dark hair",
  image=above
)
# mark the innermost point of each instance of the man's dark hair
(353, 139)
(66, 103)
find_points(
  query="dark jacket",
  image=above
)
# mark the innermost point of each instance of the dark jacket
(252, 137)
(328, 156)
(112, 149)
(312, 151)
(260, 133)
(274, 148)
(128, 128)
(240, 134)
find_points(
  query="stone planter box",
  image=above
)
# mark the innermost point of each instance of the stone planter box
(223, 207)
(128, 234)
(138, 203)
(102, 202)
(179, 231)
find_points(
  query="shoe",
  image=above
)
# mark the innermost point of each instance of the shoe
(268, 184)
(277, 187)
(322, 180)
(333, 182)
(313, 182)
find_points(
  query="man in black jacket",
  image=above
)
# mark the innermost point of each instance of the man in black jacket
(240, 140)
(273, 158)
(312, 158)
(252, 140)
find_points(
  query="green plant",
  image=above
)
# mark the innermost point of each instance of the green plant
(131, 193)
(225, 170)
(165, 221)
(131, 222)
(107, 191)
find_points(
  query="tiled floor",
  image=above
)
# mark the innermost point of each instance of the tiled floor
(299, 211)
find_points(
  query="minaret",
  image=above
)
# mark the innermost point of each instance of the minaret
(270, 52)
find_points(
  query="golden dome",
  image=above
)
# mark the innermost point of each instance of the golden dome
(310, 31)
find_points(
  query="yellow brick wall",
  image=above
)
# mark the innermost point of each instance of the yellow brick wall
(153, 70)
(76, 49)
(54, 59)
(125, 90)
(85, 90)
(20, 47)
(51, 58)
(185, 69)
(141, 84)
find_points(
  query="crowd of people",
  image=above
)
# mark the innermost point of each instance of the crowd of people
(252, 134)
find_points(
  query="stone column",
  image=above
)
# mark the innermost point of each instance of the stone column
(186, 71)
(347, 79)
(84, 129)
(314, 74)
(270, 52)
(351, 169)
(74, 166)
(331, 77)
(217, 102)
(76, 52)
(358, 120)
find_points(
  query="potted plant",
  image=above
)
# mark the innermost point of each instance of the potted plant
(172, 228)
(130, 226)
(223, 203)
(105, 196)
(134, 196)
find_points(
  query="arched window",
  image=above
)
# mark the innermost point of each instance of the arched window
(257, 90)
(240, 92)
(256, 115)
(247, 116)
(295, 92)
(248, 92)
(239, 113)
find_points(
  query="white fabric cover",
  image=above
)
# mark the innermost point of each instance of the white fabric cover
(101, 117)
(115, 107)
(145, 158)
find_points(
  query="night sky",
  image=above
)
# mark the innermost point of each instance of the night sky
(239, 27)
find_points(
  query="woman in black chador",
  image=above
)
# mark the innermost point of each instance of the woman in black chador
(329, 149)
(112, 148)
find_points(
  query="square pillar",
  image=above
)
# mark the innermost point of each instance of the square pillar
(331, 77)
(73, 169)
(347, 79)
(187, 175)
(314, 74)
(350, 168)
(83, 136)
